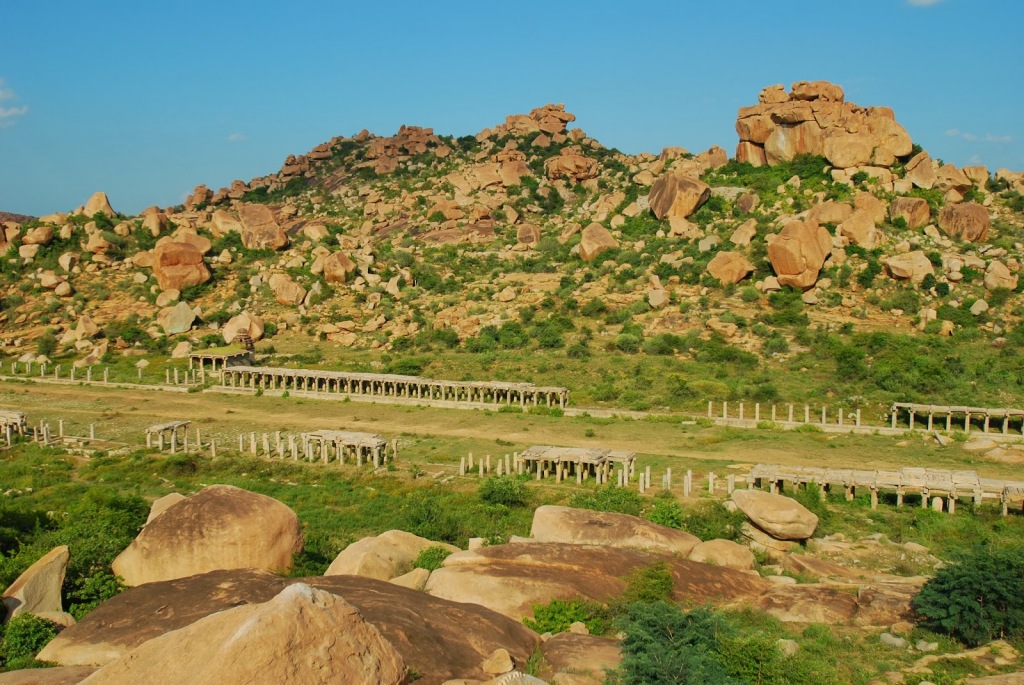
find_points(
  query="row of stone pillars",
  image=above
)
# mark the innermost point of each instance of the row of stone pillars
(44, 373)
(937, 503)
(840, 418)
(931, 422)
(302, 446)
(183, 377)
(44, 434)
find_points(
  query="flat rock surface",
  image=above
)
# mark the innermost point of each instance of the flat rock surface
(68, 675)
(583, 526)
(511, 578)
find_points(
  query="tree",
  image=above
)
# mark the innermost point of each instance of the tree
(977, 598)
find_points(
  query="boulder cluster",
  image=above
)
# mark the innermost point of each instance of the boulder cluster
(203, 607)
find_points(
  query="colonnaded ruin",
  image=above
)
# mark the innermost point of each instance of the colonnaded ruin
(382, 385)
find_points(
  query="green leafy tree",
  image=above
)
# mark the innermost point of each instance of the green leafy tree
(507, 491)
(977, 598)
(23, 637)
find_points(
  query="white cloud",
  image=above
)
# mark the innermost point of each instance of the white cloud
(923, 3)
(973, 138)
(236, 137)
(9, 115)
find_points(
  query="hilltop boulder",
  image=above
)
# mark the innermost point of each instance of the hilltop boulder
(798, 253)
(383, 556)
(968, 221)
(99, 204)
(178, 265)
(220, 527)
(222, 223)
(259, 228)
(303, 635)
(571, 166)
(677, 195)
(814, 119)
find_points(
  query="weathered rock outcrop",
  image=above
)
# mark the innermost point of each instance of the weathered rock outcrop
(220, 527)
(730, 267)
(303, 635)
(814, 119)
(798, 253)
(178, 265)
(259, 228)
(286, 291)
(99, 204)
(595, 240)
(383, 556)
(910, 266)
(781, 517)
(511, 578)
(338, 267)
(968, 221)
(913, 210)
(244, 322)
(37, 590)
(678, 195)
(586, 527)
(441, 639)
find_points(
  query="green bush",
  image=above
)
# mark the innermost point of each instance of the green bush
(711, 520)
(648, 584)
(614, 499)
(23, 637)
(977, 598)
(432, 558)
(557, 615)
(507, 491)
(664, 646)
(666, 512)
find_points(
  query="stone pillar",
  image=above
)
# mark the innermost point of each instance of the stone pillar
(824, 415)
(266, 445)
(241, 442)
(176, 381)
(967, 422)
(106, 375)
(895, 414)
(931, 420)
(741, 411)
(951, 503)
(668, 478)
(480, 469)
(647, 476)
(252, 442)
(92, 431)
(840, 416)
(874, 497)
(462, 466)
(710, 410)
(213, 448)
(807, 413)
(757, 411)
(857, 419)
(711, 482)
(174, 441)
(725, 410)
(730, 483)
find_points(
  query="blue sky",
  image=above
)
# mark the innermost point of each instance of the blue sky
(144, 100)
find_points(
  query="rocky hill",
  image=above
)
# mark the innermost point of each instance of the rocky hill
(532, 233)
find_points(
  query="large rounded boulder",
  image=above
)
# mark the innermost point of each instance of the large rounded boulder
(221, 527)
(177, 265)
(798, 253)
(678, 195)
(383, 556)
(586, 527)
(303, 635)
(781, 517)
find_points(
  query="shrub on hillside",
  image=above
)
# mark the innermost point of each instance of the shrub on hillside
(23, 637)
(507, 491)
(432, 558)
(612, 499)
(977, 598)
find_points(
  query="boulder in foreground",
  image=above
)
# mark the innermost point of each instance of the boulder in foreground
(221, 527)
